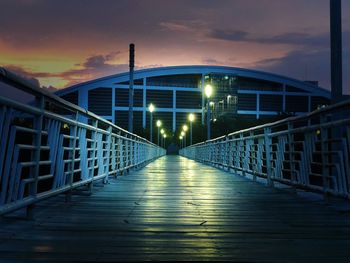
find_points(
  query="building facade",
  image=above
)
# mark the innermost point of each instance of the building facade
(177, 91)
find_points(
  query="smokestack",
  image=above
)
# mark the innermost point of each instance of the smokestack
(131, 86)
(336, 50)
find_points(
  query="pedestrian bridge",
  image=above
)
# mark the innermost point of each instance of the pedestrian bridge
(74, 187)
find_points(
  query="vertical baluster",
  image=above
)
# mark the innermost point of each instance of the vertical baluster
(72, 144)
(38, 125)
(94, 153)
(324, 157)
(109, 156)
(291, 154)
(5, 133)
(267, 142)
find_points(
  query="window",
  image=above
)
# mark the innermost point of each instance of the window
(71, 97)
(179, 80)
(122, 97)
(189, 99)
(247, 102)
(100, 101)
(297, 104)
(160, 98)
(271, 103)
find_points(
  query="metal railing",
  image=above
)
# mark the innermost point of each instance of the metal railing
(310, 152)
(51, 146)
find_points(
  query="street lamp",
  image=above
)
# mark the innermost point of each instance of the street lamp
(159, 123)
(151, 109)
(208, 90)
(162, 132)
(185, 129)
(183, 134)
(164, 136)
(191, 118)
(180, 137)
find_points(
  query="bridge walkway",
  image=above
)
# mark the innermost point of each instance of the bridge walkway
(178, 209)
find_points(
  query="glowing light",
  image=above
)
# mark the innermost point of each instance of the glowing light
(162, 131)
(208, 90)
(151, 108)
(185, 128)
(191, 117)
(182, 133)
(159, 123)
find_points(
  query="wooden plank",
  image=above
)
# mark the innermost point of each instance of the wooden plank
(177, 209)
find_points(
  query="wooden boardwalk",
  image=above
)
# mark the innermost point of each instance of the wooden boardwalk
(177, 209)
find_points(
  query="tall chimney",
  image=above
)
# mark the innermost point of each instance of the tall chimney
(131, 86)
(336, 50)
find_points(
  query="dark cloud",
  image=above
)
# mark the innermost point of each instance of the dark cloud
(100, 60)
(301, 64)
(27, 74)
(307, 65)
(231, 35)
(94, 67)
(291, 38)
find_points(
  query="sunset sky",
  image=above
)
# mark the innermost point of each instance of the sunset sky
(61, 43)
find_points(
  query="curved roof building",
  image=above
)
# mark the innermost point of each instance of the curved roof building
(177, 91)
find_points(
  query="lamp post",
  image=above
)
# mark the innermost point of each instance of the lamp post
(183, 135)
(191, 119)
(164, 136)
(162, 133)
(151, 109)
(208, 92)
(180, 137)
(159, 123)
(185, 129)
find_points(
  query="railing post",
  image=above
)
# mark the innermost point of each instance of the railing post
(230, 153)
(109, 149)
(38, 126)
(291, 154)
(267, 132)
(324, 157)
(73, 143)
(94, 152)
(226, 154)
(253, 155)
(127, 154)
(114, 156)
(235, 155)
(120, 153)
(241, 151)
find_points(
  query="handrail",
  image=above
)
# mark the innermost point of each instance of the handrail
(310, 152)
(52, 146)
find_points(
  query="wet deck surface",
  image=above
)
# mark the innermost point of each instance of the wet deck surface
(177, 209)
